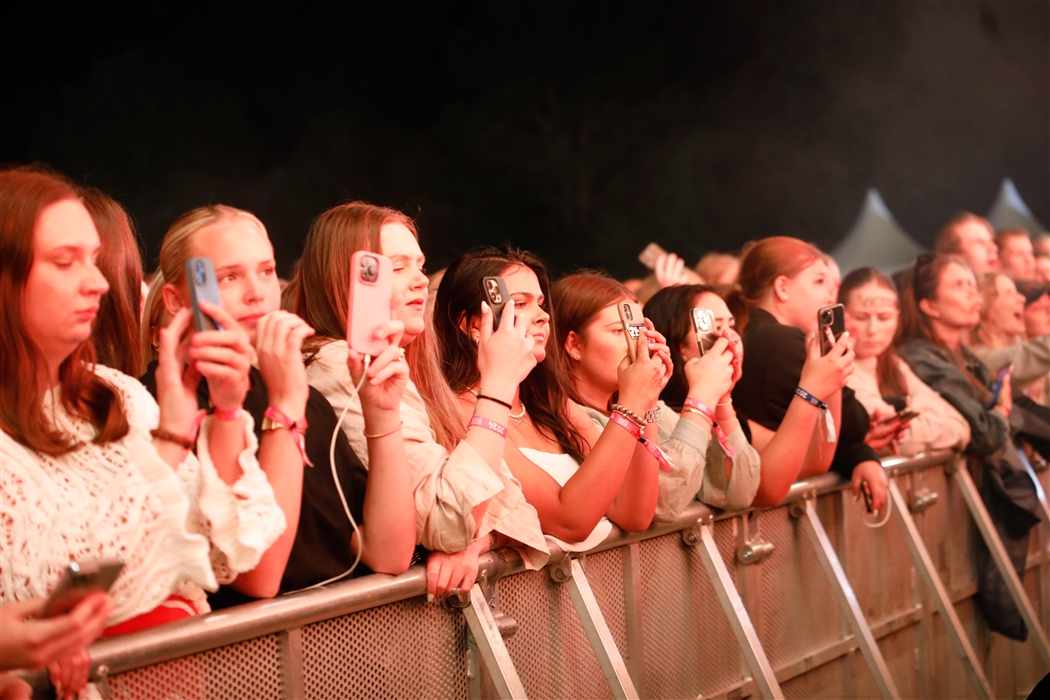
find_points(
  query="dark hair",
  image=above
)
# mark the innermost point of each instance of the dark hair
(24, 195)
(116, 333)
(544, 392)
(887, 370)
(669, 312)
(922, 284)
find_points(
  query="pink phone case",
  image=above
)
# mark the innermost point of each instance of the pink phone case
(371, 282)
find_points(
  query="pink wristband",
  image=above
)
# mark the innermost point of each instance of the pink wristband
(636, 433)
(487, 424)
(228, 416)
(297, 428)
(710, 414)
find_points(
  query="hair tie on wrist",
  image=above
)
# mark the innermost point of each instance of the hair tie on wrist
(709, 413)
(274, 418)
(495, 400)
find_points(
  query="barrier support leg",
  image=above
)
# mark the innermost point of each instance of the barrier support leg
(761, 670)
(570, 573)
(632, 603)
(490, 645)
(1006, 568)
(924, 563)
(806, 512)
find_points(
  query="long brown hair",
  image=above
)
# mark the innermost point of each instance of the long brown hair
(669, 312)
(921, 283)
(887, 368)
(24, 194)
(543, 392)
(116, 332)
(576, 300)
(319, 295)
(763, 262)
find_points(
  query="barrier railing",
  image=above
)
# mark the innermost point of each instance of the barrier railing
(802, 600)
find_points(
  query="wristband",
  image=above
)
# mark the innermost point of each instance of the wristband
(229, 416)
(811, 399)
(277, 419)
(487, 424)
(636, 433)
(495, 400)
(709, 413)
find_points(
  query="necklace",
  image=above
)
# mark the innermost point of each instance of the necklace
(518, 418)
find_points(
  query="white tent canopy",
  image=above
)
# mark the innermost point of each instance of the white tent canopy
(876, 240)
(1010, 211)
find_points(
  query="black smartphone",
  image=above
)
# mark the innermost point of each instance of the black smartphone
(494, 290)
(899, 403)
(704, 326)
(865, 491)
(81, 579)
(831, 323)
(200, 276)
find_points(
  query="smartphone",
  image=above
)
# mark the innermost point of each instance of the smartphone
(494, 290)
(649, 256)
(80, 580)
(371, 289)
(633, 326)
(865, 491)
(903, 416)
(704, 325)
(899, 403)
(200, 273)
(831, 323)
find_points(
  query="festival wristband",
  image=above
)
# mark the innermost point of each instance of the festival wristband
(811, 399)
(228, 416)
(488, 424)
(636, 433)
(709, 413)
(277, 419)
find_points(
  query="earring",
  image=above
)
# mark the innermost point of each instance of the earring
(476, 339)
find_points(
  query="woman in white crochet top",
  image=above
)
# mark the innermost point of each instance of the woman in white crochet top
(92, 466)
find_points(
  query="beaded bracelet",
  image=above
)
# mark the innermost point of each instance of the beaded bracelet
(629, 415)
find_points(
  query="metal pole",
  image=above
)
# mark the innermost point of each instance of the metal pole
(1006, 568)
(632, 603)
(847, 599)
(490, 644)
(747, 638)
(940, 595)
(598, 633)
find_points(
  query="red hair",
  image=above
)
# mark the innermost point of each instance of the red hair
(766, 260)
(24, 195)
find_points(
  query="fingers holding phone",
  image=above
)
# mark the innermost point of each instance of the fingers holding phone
(223, 357)
(823, 375)
(279, 340)
(387, 378)
(711, 376)
(870, 476)
(505, 355)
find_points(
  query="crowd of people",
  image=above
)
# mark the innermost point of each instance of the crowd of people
(266, 456)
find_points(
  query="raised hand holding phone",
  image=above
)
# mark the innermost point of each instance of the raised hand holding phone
(203, 287)
(279, 340)
(633, 323)
(369, 302)
(826, 374)
(505, 355)
(710, 377)
(387, 374)
(640, 380)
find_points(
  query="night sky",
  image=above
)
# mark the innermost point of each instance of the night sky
(578, 130)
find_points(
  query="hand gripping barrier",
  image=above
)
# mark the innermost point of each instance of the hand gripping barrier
(801, 600)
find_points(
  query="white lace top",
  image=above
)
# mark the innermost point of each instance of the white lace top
(178, 530)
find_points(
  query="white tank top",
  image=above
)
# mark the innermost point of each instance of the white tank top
(561, 467)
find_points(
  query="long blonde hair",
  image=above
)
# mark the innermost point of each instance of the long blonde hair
(318, 294)
(174, 252)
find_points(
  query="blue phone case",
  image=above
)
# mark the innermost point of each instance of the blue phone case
(200, 277)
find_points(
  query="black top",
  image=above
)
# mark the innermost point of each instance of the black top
(773, 359)
(322, 543)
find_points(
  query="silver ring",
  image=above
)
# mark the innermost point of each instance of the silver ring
(400, 354)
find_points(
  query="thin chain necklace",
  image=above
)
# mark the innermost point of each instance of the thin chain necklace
(518, 418)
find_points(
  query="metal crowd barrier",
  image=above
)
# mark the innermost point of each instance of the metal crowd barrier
(802, 600)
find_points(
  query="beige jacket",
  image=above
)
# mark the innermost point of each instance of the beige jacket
(689, 448)
(938, 426)
(448, 486)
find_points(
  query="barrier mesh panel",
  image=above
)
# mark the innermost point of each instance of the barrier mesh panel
(405, 649)
(247, 670)
(900, 652)
(824, 681)
(689, 646)
(948, 679)
(793, 588)
(550, 650)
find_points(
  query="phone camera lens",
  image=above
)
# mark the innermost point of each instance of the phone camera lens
(198, 270)
(369, 269)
